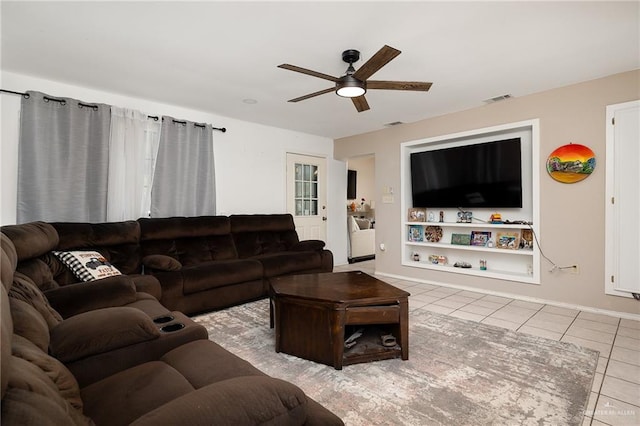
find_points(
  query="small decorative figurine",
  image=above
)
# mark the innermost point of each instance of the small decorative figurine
(441, 216)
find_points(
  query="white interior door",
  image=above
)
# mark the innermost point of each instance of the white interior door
(622, 250)
(307, 195)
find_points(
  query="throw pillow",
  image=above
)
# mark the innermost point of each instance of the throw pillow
(87, 265)
(363, 223)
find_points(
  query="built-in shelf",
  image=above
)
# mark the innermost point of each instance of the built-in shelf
(499, 261)
(511, 264)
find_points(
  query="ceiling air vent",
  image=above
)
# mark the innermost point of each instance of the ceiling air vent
(498, 99)
(395, 123)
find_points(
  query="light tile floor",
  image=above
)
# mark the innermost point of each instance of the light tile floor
(615, 395)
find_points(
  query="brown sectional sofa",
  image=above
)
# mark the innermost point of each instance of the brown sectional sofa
(206, 263)
(192, 265)
(79, 353)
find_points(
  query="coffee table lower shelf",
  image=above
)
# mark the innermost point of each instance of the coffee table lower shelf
(369, 348)
(313, 331)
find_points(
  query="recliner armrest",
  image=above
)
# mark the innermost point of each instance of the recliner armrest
(77, 298)
(160, 262)
(100, 331)
(241, 400)
(147, 284)
(308, 245)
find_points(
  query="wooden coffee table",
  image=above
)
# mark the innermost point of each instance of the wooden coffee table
(312, 311)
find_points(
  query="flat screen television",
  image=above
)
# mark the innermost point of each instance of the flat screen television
(485, 174)
(352, 177)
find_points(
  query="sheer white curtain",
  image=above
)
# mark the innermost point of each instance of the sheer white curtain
(133, 148)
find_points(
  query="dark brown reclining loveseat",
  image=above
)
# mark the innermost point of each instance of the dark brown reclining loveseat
(212, 262)
(197, 382)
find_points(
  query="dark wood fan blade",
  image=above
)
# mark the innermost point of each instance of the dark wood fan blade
(377, 61)
(308, 72)
(311, 95)
(398, 85)
(360, 102)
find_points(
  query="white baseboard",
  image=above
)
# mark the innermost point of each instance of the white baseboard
(625, 315)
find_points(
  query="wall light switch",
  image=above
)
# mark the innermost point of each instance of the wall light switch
(387, 199)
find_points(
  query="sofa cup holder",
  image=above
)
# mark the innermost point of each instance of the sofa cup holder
(172, 327)
(163, 319)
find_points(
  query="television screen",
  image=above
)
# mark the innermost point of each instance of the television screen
(479, 175)
(352, 176)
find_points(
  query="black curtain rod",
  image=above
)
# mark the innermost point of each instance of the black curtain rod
(95, 107)
(26, 95)
(221, 129)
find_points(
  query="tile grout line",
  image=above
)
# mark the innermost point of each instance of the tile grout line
(528, 319)
(595, 403)
(604, 373)
(472, 312)
(485, 316)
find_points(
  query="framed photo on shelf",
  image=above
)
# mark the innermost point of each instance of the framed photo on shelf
(526, 241)
(416, 233)
(461, 239)
(508, 240)
(480, 238)
(417, 215)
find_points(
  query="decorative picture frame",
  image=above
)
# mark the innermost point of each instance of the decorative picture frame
(526, 239)
(416, 214)
(571, 163)
(509, 240)
(461, 239)
(480, 238)
(416, 233)
(465, 217)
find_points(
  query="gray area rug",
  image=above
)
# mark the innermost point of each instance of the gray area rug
(458, 373)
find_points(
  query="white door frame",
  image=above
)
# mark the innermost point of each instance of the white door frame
(313, 226)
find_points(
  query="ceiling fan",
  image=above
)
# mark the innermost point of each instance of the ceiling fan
(354, 84)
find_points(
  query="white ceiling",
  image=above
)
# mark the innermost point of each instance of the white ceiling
(211, 55)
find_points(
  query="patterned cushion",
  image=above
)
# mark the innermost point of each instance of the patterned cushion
(87, 265)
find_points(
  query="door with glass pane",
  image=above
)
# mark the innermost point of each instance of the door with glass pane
(306, 195)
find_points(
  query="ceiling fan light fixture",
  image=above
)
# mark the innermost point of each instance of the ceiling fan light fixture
(350, 87)
(354, 83)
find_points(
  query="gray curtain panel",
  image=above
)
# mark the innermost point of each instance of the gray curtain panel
(184, 181)
(63, 160)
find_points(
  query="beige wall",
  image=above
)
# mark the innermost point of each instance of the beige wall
(572, 217)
